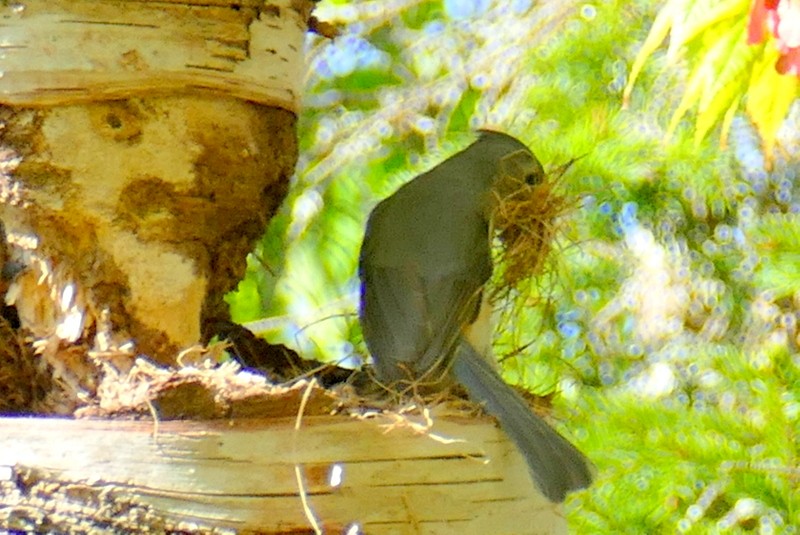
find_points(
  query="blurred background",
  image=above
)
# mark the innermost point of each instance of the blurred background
(665, 328)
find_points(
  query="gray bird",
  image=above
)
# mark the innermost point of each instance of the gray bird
(425, 259)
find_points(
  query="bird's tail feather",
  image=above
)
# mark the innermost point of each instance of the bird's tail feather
(556, 465)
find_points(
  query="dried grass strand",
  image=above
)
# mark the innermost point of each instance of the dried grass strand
(527, 223)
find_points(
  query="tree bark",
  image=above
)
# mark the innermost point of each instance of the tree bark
(143, 147)
(370, 476)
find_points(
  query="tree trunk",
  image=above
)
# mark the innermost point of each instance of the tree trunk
(143, 147)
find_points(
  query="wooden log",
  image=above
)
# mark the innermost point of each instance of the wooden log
(57, 52)
(144, 145)
(346, 475)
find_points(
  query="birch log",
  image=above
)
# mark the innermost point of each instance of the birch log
(262, 476)
(143, 147)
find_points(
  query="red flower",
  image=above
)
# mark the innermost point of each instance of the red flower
(782, 19)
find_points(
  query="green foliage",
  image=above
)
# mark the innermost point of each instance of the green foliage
(777, 239)
(667, 321)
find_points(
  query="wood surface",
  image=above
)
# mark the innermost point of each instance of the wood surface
(67, 51)
(461, 476)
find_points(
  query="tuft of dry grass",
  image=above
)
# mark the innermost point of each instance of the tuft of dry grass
(526, 222)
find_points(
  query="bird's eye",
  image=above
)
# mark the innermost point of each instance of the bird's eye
(531, 179)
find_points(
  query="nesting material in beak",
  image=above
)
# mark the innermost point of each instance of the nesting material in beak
(526, 223)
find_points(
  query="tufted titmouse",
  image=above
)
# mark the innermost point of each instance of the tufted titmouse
(425, 259)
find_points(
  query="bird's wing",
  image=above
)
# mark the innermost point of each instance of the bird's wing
(414, 302)
(412, 321)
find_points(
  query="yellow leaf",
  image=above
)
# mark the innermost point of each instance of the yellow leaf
(700, 18)
(726, 123)
(707, 118)
(768, 99)
(698, 83)
(732, 62)
(658, 32)
(717, 60)
(718, 77)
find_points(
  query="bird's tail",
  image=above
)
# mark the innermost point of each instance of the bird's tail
(556, 465)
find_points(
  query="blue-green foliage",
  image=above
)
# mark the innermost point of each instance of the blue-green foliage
(667, 320)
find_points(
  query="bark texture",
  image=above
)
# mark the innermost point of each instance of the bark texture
(144, 145)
